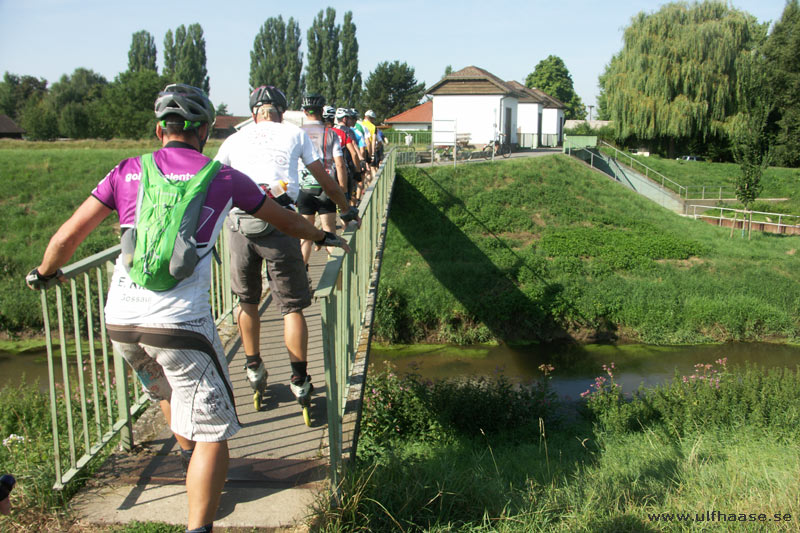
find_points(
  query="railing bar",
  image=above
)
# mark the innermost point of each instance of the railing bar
(51, 373)
(328, 317)
(92, 353)
(79, 361)
(104, 340)
(65, 372)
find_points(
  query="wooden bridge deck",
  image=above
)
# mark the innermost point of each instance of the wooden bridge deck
(278, 468)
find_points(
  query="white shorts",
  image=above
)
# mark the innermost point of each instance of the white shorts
(183, 363)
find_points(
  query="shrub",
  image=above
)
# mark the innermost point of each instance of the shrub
(712, 396)
(408, 408)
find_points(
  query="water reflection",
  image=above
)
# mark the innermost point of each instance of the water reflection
(28, 367)
(576, 367)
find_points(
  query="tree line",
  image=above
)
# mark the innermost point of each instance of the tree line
(87, 105)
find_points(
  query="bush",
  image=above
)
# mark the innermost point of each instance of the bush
(713, 396)
(408, 408)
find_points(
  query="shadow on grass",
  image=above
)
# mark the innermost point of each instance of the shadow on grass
(489, 294)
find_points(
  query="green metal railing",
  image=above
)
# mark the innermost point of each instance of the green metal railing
(96, 398)
(343, 290)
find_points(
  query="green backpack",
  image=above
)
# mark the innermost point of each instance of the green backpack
(161, 248)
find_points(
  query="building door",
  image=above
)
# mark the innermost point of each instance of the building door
(507, 126)
(539, 131)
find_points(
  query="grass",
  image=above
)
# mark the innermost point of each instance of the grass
(568, 470)
(544, 249)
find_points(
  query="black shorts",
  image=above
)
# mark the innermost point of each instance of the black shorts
(310, 204)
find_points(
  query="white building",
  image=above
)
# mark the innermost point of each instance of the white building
(477, 103)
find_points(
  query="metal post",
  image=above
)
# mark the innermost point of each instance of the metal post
(123, 403)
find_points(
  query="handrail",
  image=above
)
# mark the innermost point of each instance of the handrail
(343, 290)
(86, 415)
(779, 224)
(681, 189)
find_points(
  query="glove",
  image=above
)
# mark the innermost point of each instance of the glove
(330, 239)
(350, 215)
(363, 165)
(36, 281)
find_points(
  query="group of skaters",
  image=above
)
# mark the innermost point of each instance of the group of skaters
(264, 188)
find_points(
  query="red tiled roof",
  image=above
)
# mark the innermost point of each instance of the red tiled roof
(227, 121)
(421, 113)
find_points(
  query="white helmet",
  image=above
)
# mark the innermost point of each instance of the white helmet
(370, 114)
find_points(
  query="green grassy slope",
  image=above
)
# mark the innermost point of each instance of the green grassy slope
(541, 249)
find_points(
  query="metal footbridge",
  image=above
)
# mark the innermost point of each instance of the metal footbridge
(279, 468)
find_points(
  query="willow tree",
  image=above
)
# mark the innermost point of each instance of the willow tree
(674, 81)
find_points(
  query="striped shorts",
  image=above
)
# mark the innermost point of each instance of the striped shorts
(183, 363)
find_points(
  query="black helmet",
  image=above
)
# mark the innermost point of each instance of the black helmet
(186, 101)
(313, 101)
(267, 94)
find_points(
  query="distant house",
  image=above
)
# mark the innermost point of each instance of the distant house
(226, 126)
(476, 102)
(541, 117)
(415, 119)
(9, 128)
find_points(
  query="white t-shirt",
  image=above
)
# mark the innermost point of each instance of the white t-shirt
(327, 148)
(269, 152)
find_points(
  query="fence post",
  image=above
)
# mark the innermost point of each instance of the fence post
(123, 403)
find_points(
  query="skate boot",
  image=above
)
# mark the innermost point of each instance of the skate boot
(257, 376)
(302, 389)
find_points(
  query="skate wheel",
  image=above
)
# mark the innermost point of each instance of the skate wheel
(257, 400)
(306, 416)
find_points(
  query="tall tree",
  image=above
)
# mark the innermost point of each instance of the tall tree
(16, 90)
(70, 99)
(142, 54)
(447, 71)
(185, 57)
(392, 88)
(750, 129)
(674, 81)
(782, 50)
(293, 65)
(170, 56)
(551, 76)
(348, 88)
(276, 58)
(82, 86)
(126, 108)
(322, 69)
(222, 110)
(39, 119)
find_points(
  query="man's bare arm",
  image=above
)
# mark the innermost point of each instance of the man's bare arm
(71, 234)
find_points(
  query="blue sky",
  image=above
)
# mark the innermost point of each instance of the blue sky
(48, 38)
